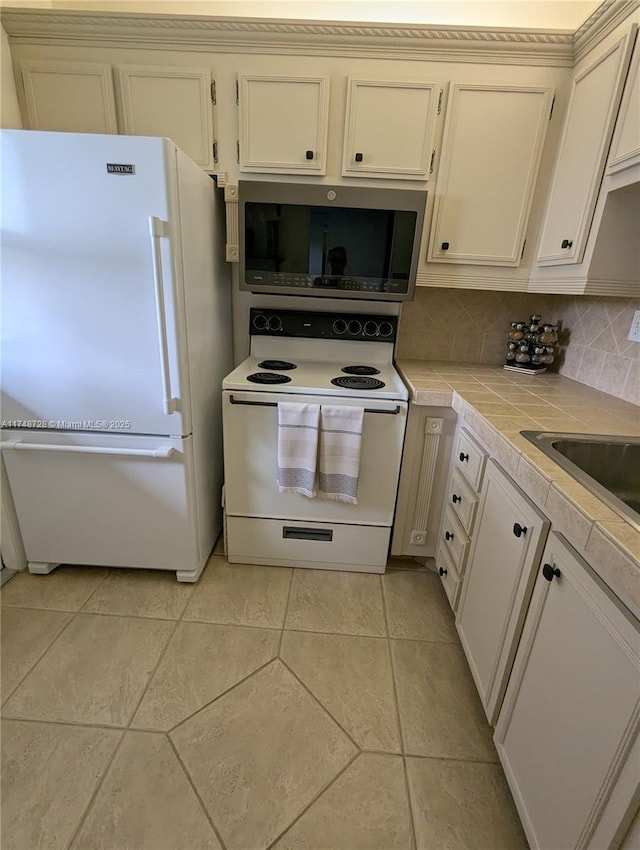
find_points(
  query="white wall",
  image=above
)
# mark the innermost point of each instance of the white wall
(9, 109)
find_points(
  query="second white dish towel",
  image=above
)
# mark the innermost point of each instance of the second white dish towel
(339, 452)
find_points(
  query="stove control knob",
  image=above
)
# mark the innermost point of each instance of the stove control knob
(386, 329)
(370, 328)
(339, 326)
(260, 321)
(354, 327)
(274, 323)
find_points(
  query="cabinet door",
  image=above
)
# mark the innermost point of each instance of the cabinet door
(570, 717)
(625, 145)
(580, 162)
(69, 97)
(283, 124)
(508, 540)
(171, 102)
(493, 142)
(390, 128)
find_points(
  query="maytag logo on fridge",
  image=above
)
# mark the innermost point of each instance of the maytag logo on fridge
(120, 168)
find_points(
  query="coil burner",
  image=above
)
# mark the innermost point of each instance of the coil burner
(357, 383)
(268, 378)
(360, 370)
(277, 365)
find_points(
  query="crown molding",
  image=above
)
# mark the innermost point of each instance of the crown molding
(251, 35)
(600, 23)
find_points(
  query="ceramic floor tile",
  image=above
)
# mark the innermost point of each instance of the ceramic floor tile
(461, 805)
(240, 594)
(141, 593)
(201, 662)
(146, 803)
(49, 773)
(26, 634)
(328, 601)
(259, 755)
(65, 589)
(95, 673)
(417, 607)
(351, 676)
(365, 809)
(440, 712)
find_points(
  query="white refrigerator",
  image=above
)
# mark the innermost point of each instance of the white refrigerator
(116, 334)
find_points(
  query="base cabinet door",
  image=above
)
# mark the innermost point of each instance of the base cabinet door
(567, 734)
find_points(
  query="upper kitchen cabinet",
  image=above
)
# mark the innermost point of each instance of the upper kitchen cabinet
(69, 96)
(170, 101)
(593, 105)
(625, 145)
(283, 124)
(390, 129)
(493, 141)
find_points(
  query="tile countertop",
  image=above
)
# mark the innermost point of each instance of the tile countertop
(497, 404)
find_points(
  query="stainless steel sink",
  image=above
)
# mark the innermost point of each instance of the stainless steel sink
(608, 466)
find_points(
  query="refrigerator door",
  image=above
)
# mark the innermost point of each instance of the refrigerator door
(92, 293)
(105, 499)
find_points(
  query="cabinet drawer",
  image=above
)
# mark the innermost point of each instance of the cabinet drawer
(469, 458)
(463, 500)
(448, 574)
(455, 539)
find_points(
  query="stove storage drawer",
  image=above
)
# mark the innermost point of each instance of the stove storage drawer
(290, 543)
(463, 500)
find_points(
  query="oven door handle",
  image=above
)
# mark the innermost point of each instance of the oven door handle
(393, 411)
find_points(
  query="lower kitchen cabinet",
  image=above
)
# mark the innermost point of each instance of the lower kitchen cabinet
(567, 733)
(507, 542)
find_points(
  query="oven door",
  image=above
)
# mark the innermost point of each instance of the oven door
(251, 460)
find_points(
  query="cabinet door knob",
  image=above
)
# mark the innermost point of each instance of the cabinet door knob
(358, 157)
(448, 535)
(309, 154)
(519, 530)
(549, 571)
(445, 246)
(455, 499)
(463, 457)
(442, 571)
(566, 243)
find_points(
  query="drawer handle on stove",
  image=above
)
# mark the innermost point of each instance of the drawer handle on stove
(322, 534)
(394, 411)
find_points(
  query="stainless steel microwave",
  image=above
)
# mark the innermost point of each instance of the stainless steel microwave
(332, 241)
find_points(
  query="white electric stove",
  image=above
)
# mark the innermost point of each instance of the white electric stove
(304, 357)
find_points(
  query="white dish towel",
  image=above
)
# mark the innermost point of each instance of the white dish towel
(339, 456)
(297, 447)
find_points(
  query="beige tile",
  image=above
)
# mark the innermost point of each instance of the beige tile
(351, 676)
(146, 803)
(497, 408)
(365, 809)
(618, 569)
(328, 601)
(202, 661)
(240, 594)
(49, 773)
(440, 712)
(95, 672)
(141, 593)
(417, 607)
(591, 505)
(624, 535)
(259, 755)
(533, 482)
(566, 517)
(65, 589)
(26, 634)
(461, 805)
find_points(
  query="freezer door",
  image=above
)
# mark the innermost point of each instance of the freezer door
(105, 499)
(92, 318)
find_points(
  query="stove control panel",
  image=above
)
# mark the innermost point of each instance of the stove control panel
(299, 323)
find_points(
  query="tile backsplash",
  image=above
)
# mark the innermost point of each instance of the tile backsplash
(470, 326)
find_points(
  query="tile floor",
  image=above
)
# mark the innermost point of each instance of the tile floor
(264, 707)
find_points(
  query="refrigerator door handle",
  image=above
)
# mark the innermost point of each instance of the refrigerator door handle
(162, 452)
(157, 231)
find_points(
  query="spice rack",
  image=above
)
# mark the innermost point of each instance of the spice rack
(531, 346)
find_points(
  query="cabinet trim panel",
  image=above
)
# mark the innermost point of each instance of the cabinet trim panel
(625, 145)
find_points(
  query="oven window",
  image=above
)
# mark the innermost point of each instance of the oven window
(328, 247)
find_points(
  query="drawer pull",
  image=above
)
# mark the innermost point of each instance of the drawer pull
(519, 530)
(320, 534)
(549, 571)
(442, 571)
(448, 535)
(463, 457)
(309, 154)
(455, 499)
